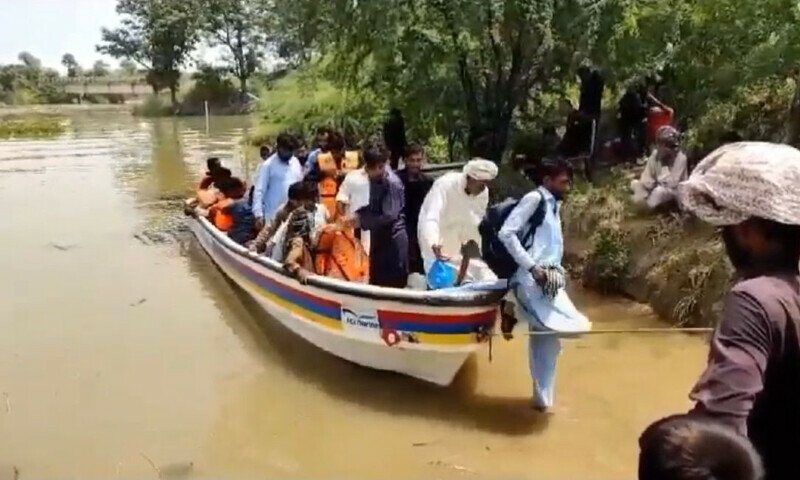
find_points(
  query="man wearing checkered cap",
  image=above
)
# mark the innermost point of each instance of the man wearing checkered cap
(751, 191)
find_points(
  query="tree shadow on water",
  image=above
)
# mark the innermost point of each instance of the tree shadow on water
(378, 390)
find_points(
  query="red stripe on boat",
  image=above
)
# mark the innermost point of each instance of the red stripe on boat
(478, 317)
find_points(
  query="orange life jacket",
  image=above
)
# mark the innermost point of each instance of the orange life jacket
(341, 255)
(219, 217)
(331, 178)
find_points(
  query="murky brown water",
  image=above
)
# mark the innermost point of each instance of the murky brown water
(121, 341)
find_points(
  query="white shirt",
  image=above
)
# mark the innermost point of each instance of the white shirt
(354, 192)
(450, 217)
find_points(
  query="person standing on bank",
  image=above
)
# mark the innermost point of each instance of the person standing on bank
(394, 136)
(383, 218)
(752, 382)
(275, 175)
(538, 284)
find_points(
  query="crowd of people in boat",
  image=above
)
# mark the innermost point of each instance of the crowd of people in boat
(350, 214)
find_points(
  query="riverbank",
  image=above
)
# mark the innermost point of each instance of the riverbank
(13, 126)
(673, 262)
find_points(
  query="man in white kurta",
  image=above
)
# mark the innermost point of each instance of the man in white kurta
(450, 215)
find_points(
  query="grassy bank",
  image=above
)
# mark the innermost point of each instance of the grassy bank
(34, 126)
(672, 261)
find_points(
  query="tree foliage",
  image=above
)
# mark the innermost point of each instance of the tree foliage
(159, 35)
(73, 67)
(234, 25)
(100, 69)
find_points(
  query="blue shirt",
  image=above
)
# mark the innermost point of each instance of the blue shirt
(548, 241)
(311, 161)
(271, 189)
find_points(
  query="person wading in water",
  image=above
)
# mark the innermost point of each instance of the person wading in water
(752, 382)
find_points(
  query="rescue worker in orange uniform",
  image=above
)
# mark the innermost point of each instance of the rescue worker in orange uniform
(339, 252)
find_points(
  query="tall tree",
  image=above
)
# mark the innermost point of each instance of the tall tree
(233, 25)
(496, 51)
(30, 61)
(72, 66)
(159, 35)
(100, 69)
(128, 67)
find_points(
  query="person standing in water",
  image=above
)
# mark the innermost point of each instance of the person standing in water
(417, 185)
(384, 219)
(538, 284)
(752, 381)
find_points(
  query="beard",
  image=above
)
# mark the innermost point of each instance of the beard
(740, 257)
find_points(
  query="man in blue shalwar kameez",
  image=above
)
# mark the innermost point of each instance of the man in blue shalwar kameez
(538, 283)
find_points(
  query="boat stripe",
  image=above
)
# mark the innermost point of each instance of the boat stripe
(477, 318)
(434, 328)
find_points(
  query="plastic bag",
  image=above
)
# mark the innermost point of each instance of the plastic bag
(441, 275)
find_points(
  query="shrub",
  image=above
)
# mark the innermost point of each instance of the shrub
(608, 259)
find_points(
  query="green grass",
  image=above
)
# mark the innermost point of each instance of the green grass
(36, 126)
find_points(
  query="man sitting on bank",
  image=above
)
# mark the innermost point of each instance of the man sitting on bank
(450, 216)
(665, 169)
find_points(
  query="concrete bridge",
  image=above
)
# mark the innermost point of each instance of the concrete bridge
(125, 87)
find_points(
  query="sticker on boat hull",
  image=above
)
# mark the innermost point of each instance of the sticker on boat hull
(361, 320)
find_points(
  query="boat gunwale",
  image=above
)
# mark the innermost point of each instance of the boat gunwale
(428, 297)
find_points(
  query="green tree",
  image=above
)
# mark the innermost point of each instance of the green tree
(233, 25)
(73, 68)
(483, 57)
(30, 61)
(159, 35)
(128, 67)
(100, 69)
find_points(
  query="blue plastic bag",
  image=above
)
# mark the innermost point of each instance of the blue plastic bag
(441, 275)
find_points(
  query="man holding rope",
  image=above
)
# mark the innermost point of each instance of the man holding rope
(752, 381)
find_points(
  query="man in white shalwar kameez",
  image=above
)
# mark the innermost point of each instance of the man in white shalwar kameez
(538, 283)
(450, 215)
(665, 169)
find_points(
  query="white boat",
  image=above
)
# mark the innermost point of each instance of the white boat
(423, 334)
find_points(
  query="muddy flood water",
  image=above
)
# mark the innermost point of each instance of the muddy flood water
(123, 345)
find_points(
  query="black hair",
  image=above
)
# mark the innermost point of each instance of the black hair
(285, 141)
(220, 173)
(323, 131)
(335, 142)
(683, 447)
(374, 154)
(297, 191)
(551, 167)
(787, 237)
(229, 186)
(415, 149)
(312, 190)
(213, 163)
(264, 148)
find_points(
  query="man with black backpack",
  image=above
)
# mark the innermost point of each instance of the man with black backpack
(533, 241)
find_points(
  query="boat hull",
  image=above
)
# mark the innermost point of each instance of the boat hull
(428, 342)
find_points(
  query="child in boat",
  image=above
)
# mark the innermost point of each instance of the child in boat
(300, 231)
(262, 242)
(206, 193)
(231, 213)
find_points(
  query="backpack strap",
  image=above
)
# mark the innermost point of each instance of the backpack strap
(536, 219)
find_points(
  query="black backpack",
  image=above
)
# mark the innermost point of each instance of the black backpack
(494, 252)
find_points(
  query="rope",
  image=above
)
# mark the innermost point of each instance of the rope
(617, 331)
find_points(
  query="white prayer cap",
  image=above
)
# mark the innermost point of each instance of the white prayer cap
(743, 180)
(480, 169)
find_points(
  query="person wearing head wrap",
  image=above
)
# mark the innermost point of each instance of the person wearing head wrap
(665, 169)
(450, 215)
(752, 381)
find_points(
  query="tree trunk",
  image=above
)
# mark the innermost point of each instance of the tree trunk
(173, 95)
(242, 87)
